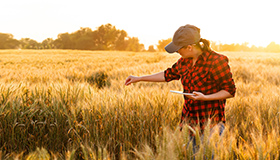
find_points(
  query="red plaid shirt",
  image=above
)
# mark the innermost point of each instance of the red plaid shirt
(210, 74)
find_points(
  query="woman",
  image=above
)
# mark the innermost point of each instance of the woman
(203, 72)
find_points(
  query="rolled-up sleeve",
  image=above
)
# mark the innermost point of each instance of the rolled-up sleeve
(222, 74)
(172, 73)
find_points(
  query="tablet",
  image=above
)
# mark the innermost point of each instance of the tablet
(179, 92)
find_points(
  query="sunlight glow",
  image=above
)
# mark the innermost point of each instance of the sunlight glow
(222, 21)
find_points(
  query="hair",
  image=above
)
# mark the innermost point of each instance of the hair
(204, 45)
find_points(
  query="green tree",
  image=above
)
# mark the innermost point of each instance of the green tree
(244, 46)
(273, 47)
(27, 43)
(64, 41)
(7, 41)
(151, 48)
(120, 40)
(105, 37)
(48, 44)
(134, 45)
(163, 43)
(83, 39)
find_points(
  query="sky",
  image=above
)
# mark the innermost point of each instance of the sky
(223, 21)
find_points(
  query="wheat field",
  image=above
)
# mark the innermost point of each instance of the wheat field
(71, 104)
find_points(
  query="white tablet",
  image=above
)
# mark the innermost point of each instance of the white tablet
(179, 92)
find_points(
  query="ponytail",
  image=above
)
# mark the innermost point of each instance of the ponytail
(204, 45)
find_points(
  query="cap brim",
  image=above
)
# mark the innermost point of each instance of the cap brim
(171, 48)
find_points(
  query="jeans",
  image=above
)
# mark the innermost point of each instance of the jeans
(220, 127)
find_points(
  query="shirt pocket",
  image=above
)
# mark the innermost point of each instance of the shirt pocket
(202, 80)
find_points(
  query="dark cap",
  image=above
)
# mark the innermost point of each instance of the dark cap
(184, 36)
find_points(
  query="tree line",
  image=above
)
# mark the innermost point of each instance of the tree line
(107, 37)
(272, 47)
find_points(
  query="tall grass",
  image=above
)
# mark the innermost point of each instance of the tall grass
(74, 105)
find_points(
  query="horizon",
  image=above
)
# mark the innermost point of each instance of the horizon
(150, 21)
(155, 45)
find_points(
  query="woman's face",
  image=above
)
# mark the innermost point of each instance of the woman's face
(186, 52)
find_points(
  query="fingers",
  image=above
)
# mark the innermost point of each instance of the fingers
(196, 93)
(197, 96)
(130, 79)
(191, 97)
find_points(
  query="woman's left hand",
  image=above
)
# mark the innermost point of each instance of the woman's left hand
(197, 96)
(222, 94)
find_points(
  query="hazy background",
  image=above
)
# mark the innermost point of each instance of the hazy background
(238, 21)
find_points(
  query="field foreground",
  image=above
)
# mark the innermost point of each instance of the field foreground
(63, 104)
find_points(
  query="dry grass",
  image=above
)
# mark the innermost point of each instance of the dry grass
(74, 105)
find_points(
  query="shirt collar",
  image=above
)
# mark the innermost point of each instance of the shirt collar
(205, 55)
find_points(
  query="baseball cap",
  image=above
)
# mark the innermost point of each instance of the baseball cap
(185, 35)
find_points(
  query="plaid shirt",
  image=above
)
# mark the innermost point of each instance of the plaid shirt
(210, 74)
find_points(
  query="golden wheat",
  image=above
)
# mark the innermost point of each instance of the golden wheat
(74, 105)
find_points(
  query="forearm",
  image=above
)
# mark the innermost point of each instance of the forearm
(222, 94)
(157, 77)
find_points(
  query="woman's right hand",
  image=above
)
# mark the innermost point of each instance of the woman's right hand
(131, 79)
(157, 77)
